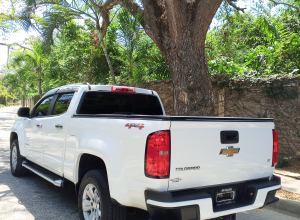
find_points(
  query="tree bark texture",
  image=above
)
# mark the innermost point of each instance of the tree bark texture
(40, 87)
(179, 28)
(130, 70)
(111, 69)
(23, 96)
(7, 61)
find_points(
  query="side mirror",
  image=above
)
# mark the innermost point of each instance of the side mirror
(23, 112)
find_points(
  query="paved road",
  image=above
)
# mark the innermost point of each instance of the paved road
(290, 184)
(32, 197)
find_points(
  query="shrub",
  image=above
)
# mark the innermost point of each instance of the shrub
(12, 104)
(282, 162)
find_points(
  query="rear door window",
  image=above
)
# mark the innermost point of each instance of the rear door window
(120, 103)
(62, 103)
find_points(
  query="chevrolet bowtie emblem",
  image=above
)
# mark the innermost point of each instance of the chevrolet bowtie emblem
(230, 151)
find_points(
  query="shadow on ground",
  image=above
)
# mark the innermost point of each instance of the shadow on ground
(32, 197)
(45, 201)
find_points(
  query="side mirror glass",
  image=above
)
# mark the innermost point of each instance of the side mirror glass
(24, 112)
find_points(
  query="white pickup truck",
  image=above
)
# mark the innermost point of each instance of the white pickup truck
(120, 150)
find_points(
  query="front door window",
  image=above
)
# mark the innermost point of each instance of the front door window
(43, 108)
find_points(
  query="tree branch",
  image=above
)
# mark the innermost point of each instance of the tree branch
(8, 16)
(132, 7)
(287, 4)
(15, 44)
(155, 19)
(105, 22)
(205, 10)
(114, 16)
(234, 6)
(8, 49)
(91, 7)
(176, 18)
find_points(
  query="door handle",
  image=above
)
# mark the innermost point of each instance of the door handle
(59, 126)
(39, 125)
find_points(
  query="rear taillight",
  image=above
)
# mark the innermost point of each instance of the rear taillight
(157, 164)
(123, 89)
(275, 148)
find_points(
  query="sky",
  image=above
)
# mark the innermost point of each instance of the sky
(17, 37)
(20, 36)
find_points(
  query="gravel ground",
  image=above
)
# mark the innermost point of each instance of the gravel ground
(288, 195)
(292, 167)
(32, 197)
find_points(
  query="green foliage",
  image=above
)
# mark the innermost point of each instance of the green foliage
(279, 92)
(5, 94)
(13, 17)
(74, 58)
(12, 104)
(283, 162)
(255, 46)
(20, 79)
(142, 59)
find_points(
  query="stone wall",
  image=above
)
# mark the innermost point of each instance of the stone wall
(278, 99)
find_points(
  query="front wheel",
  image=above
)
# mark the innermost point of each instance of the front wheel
(16, 161)
(94, 200)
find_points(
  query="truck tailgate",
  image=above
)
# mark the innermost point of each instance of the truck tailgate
(196, 146)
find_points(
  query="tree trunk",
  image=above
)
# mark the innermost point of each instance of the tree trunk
(40, 87)
(7, 61)
(130, 70)
(178, 28)
(180, 34)
(191, 81)
(23, 100)
(111, 69)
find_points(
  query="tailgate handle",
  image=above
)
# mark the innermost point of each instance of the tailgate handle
(229, 137)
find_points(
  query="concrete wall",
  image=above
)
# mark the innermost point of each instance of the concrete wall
(278, 99)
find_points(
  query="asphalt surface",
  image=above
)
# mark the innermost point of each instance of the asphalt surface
(290, 184)
(32, 197)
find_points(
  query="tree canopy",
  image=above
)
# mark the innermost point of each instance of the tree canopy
(107, 42)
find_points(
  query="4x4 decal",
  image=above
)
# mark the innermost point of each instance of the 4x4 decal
(140, 126)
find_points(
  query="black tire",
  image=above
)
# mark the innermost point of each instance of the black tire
(109, 210)
(18, 169)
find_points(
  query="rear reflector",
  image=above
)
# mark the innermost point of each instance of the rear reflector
(275, 148)
(123, 89)
(157, 164)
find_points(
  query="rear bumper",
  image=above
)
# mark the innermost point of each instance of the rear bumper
(200, 203)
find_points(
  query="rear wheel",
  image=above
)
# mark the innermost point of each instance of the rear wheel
(16, 161)
(94, 200)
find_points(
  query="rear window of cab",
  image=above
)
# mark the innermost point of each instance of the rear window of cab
(96, 102)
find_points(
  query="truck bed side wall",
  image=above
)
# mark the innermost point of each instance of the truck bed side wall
(122, 150)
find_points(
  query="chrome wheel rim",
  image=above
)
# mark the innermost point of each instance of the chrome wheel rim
(14, 158)
(91, 203)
